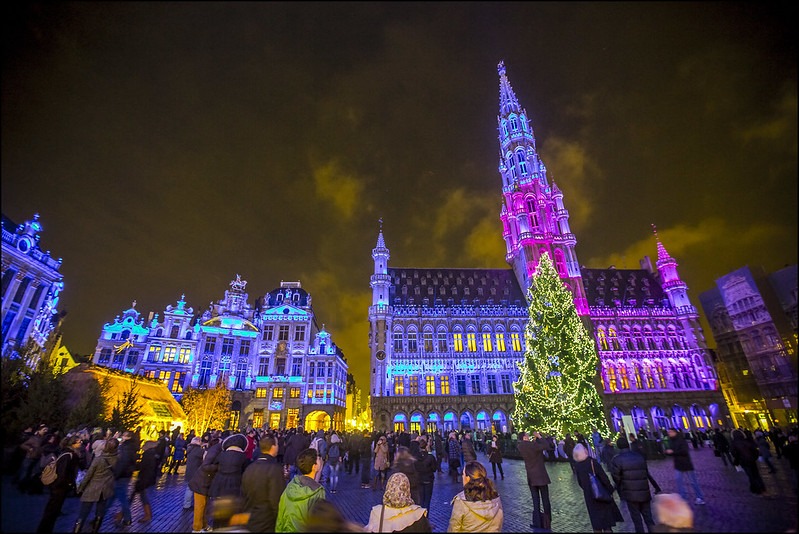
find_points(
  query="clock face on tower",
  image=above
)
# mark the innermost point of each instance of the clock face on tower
(380, 355)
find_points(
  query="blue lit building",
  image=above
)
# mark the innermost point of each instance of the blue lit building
(31, 287)
(284, 371)
(445, 343)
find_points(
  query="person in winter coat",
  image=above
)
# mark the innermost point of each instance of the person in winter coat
(405, 463)
(200, 483)
(537, 477)
(631, 476)
(365, 452)
(67, 465)
(123, 471)
(300, 494)
(178, 454)
(678, 448)
(194, 458)
(568, 449)
(478, 507)
(454, 456)
(467, 448)
(495, 457)
(382, 462)
(398, 513)
(231, 461)
(149, 470)
(745, 453)
(261, 485)
(426, 468)
(603, 515)
(97, 486)
(333, 461)
(722, 447)
(765, 450)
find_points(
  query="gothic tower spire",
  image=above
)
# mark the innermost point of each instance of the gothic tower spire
(379, 314)
(534, 219)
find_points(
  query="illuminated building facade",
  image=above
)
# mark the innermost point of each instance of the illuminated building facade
(753, 319)
(31, 287)
(283, 370)
(445, 343)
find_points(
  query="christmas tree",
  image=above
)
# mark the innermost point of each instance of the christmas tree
(555, 393)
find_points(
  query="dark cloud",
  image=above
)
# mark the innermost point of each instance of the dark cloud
(170, 146)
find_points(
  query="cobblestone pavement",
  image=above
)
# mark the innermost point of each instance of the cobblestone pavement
(730, 507)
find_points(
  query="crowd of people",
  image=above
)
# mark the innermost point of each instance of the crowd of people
(263, 480)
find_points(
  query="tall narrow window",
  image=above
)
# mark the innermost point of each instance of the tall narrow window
(399, 385)
(244, 348)
(185, 354)
(299, 333)
(522, 163)
(152, 354)
(461, 381)
(444, 385)
(624, 382)
(487, 342)
(428, 342)
(506, 386)
(611, 377)
(516, 342)
(205, 373)
(296, 366)
(269, 332)
(412, 345)
(457, 340)
(227, 347)
(177, 382)
(413, 385)
(283, 333)
(492, 384)
(442, 342)
(311, 369)
(397, 341)
(210, 345)
(475, 384)
(169, 354)
(500, 339)
(430, 385)
(472, 343)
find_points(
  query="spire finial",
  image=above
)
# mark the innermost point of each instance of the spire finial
(380, 221)
(501, 67)
(134, 304)
(655, 231)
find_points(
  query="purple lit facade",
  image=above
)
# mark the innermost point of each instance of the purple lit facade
(283, 370)
(655, 364)
(31, 287)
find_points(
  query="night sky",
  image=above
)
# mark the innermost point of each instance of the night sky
(170, 146)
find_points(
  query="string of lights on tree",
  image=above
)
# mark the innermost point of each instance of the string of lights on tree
(555, 393)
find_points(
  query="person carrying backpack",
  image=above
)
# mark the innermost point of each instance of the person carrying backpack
(333, 463)
(66, 468)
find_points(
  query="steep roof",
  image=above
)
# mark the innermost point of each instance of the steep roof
(611, 287)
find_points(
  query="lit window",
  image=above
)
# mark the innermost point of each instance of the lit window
(152, 354)
(413, 385)
(625, 384)
(611, 377)
(292, 414)
(177, 382)
(258, 418)
(294, 393)
(638, 381)
(471, 342)
(603, 343)
(500, 339)
(310, 392)
(169, 354)
(399, 385)
(320, 393)
(260, 393)
(516, 342)
(430, 385)
(444, 385)
(277, 393)
(661, 375)
(487, 342)
(185, 353)
(457, 340)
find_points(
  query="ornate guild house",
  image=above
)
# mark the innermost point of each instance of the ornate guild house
(445, 343)
(283, 370)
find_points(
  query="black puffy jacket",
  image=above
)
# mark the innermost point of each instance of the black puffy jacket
(631, 477)
(126, 459)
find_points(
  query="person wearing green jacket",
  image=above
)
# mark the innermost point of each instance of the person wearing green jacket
(300, 494)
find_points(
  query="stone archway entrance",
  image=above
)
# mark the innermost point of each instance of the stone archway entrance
(317, 420)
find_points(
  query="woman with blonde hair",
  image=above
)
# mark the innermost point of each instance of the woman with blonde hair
(478, 507)
(398, 513)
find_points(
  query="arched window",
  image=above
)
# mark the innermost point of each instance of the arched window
(614, 341)
(514, 123)
(522, 162)
(175, 332)
(505, 128)
(601, 341)
(560, 264)
(523, 120)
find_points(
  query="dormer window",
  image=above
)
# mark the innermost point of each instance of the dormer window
(514, 123)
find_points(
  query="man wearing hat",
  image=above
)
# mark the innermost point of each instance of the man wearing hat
(631, 476)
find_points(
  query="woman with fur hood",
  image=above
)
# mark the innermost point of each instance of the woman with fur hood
(398, 513)
(478, 507)
(231, 464)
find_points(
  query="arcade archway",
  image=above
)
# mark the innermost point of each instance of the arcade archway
(317, 420)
